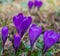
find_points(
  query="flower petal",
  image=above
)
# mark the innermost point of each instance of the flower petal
(22, 23)
(17, 41)
(24, 26)
(50, 38)
(30, 4)
(38, 3)
(4, 33)
(34, 33)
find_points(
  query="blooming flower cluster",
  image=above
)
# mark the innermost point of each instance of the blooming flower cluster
(22, 23)
(36, 3)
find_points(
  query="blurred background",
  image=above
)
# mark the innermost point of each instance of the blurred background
(49, 12)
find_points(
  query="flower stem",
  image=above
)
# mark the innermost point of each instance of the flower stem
(29, 53)
(43, 54)
(15, 52)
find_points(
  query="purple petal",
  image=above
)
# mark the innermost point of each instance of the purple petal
(34, 33)
(24, 26)
(47, 33)
(16, 22)
(20, 14)
(50, 38)
(17, 41)
(38, 4)
(22, 23)
(21, 17)
(30, 4)
(4, 33)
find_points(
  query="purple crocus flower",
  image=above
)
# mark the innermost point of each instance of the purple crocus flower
(4, 33)
(34, 33)
(38, 4)
(30, 4)
(22, 23)
(50, 38)
(17, 41)
(17, 20)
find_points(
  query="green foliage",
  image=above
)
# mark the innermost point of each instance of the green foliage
(11, 52)
(35, 53)
(48, 54)
(23, 48)
(58, 13)
(39, 44)
(0, 46)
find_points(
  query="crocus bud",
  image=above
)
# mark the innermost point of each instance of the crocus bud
(34, 33)
(4, 33)
(30, 4)
(38, 4)
(50, 38)
(22, 24)
(17, 20)
(17, 41)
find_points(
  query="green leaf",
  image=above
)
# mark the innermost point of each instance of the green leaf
(11, 52)
(50, 51)
(0, 45)
(21, 49)
(36, 53)
(27, 46)
(48, 54)
(40, 42)
(39, 45)
(58, 13)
